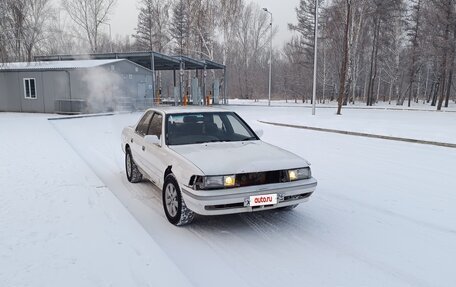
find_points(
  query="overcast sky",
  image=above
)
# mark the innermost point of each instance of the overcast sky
(125, 17)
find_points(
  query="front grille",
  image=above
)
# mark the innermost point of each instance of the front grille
(260, 178)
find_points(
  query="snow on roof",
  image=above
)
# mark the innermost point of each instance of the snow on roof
(56, 65)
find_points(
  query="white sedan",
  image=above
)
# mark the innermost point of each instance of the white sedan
(209, 161)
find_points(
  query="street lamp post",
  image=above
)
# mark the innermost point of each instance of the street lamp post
(270, 59)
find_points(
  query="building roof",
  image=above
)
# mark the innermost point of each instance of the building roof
(56, 65)
(145, 58)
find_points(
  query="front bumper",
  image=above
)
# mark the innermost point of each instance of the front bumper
(236, 200)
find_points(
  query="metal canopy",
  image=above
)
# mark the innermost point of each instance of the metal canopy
(151, 60)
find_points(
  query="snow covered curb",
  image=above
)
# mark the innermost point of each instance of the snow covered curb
(79, 116)
(392, 138)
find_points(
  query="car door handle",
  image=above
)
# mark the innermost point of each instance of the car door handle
(143, 148)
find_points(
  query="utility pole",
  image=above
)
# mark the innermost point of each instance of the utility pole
(270, 59)
(314, 92)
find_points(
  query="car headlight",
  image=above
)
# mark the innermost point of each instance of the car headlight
(299, 173)
(214, 182)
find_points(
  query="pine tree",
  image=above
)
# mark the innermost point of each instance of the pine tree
(305, 13)
(180, 27)
(153, 25)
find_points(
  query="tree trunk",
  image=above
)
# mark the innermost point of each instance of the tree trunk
(426, 86)
(390, 92)
(434, 94)
(444, 68)
(378, 86)
(448, 91)
(428, 100)
(343, 71)
(373, 64)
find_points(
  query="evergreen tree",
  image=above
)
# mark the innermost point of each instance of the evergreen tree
(152, 31)
(305, 13)
(180, 27)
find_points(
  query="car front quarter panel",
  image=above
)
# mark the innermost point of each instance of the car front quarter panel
(181, 168)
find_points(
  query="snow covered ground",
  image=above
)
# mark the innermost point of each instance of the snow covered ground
(421, 125)
(60, 225)
(382, 215)
(333, 104)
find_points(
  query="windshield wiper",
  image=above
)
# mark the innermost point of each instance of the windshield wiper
(208, 141)
(248, 139)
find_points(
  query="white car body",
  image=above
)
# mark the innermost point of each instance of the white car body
(157, 160)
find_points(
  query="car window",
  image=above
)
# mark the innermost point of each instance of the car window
(238, 127)
(155, 127)
(194, 128)
(143, 124)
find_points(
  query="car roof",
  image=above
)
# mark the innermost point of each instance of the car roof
(187, 109)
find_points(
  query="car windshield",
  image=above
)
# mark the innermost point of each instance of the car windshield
(194, 128)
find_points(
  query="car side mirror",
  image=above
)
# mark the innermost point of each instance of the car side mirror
(152, 139)
(259, 132)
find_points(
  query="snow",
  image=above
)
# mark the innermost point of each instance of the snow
(382, 215)
(57, 64)
(421, 125)
(60, 225)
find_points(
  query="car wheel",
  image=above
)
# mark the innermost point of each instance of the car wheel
(133, 173)
(173, 204)
(289, 207)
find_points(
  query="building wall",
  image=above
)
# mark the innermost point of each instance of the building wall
(121, 85)
(9, 93)
(49, 85)
(56, 86)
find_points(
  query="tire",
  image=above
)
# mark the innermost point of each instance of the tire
(289, 207)
(131, 169)
(174, 206)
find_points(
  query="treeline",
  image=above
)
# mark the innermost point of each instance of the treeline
(395, 51)
(400, 51)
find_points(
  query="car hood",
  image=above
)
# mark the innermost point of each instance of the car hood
(238, 157)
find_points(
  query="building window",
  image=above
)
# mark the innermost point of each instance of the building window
(29, 88)
(136, 69)
(130, 76)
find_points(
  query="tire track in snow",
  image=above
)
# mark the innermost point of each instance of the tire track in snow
(383, 211)
(146, 207)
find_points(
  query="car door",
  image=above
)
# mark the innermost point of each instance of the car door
(137, 140)
(153, 153)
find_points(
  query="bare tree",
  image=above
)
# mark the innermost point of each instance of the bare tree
(40, 13)
(414, 30)
(3, 31)
(230, 14)
(252, 39)
(88, 15)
